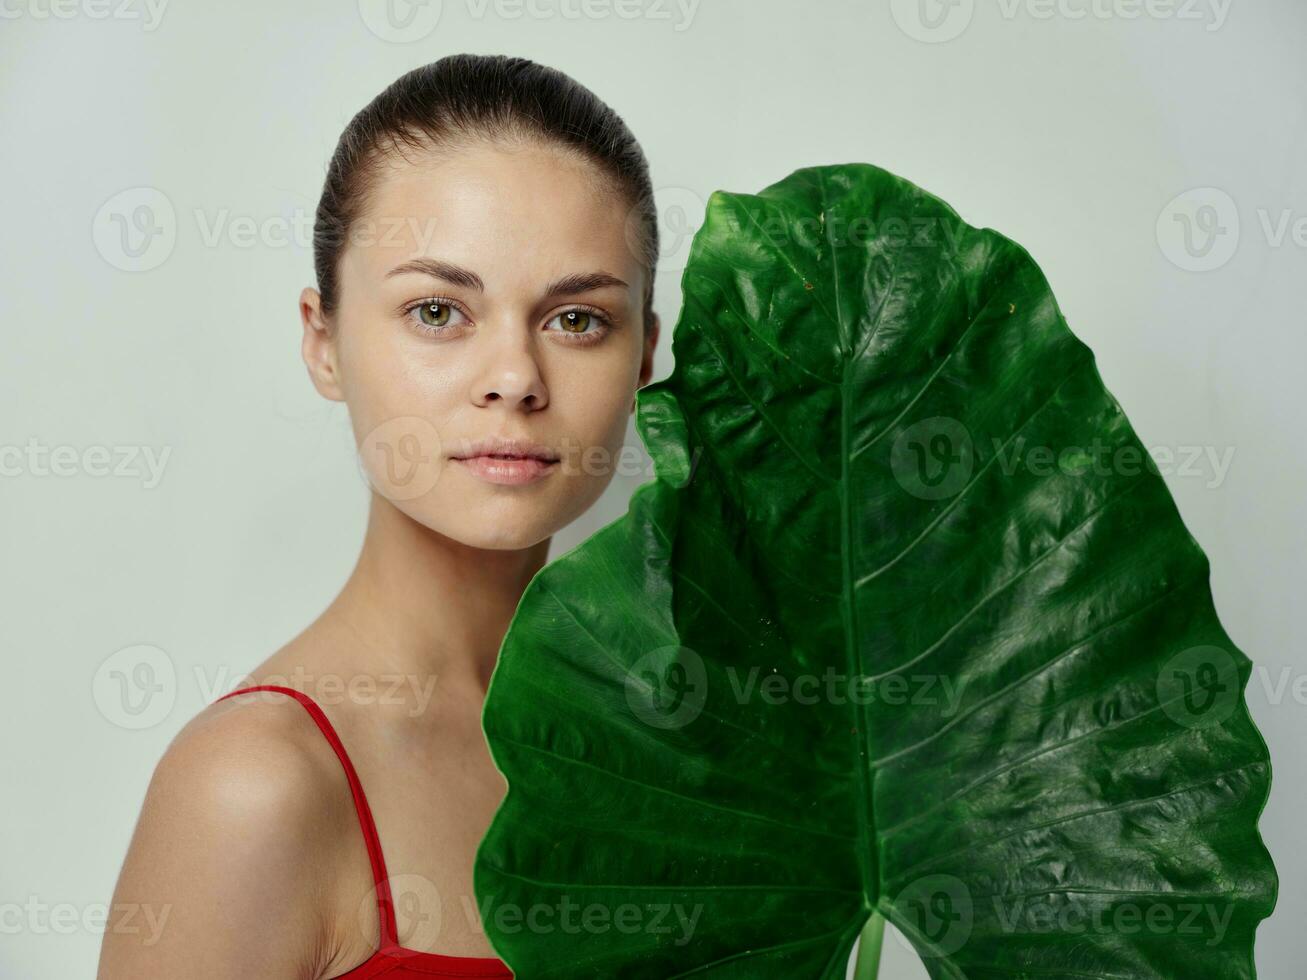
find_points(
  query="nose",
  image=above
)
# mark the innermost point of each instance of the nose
(510, 373)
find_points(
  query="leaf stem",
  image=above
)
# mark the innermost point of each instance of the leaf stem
(873, 933)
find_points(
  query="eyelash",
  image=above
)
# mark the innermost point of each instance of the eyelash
(592, 337)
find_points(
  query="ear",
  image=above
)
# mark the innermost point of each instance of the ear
(647, 358)
(318, 346)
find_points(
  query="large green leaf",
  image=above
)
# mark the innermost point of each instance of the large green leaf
(906, 624)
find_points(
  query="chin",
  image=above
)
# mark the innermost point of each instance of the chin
(491, 519)
(486, 526)
(499, 538)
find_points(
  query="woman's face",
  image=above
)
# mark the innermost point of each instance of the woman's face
(487, 293)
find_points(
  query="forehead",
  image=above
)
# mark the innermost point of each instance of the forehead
(513, 214)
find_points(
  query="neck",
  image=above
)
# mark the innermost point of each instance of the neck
(419, 603)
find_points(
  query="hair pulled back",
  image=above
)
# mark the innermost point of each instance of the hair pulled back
(462, 98)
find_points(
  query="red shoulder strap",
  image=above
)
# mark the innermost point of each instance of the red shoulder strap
(385, 904)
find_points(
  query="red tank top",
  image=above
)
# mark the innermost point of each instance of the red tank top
(391, 960)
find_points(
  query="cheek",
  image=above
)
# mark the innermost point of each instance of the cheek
(396, 409)
(384, 381)
(595, 418)
(594, 405)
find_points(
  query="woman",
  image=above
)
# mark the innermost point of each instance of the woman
(484, 249)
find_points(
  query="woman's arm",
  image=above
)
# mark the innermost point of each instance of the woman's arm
(225, 872)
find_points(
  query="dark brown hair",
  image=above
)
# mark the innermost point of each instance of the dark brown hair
(462, 98)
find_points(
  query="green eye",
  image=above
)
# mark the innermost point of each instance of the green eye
(575, 321)
(434, 314)
(587, 326)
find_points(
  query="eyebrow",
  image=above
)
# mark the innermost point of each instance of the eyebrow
(576, 282)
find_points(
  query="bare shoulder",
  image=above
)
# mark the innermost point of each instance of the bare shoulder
(245, 760)
(225, 873)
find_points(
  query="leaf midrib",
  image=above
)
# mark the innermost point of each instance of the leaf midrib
(868, 866)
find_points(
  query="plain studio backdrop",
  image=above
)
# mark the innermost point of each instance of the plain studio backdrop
(161, 165)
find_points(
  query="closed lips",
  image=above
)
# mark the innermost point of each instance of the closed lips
(504, 449)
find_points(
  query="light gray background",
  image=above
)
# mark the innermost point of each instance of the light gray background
(1087, 130)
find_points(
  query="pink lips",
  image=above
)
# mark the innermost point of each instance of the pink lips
(508, 470)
